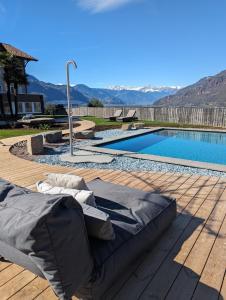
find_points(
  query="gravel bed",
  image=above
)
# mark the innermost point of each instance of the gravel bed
(121, 162)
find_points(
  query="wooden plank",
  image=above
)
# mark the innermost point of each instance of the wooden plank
(132, 179)
(222, 295)
(15, 284)
(184, 187)
(192, 193)
(9, 273)
(164, 278)
(48, 294)
(196, 261)
(33, 289)
(213, 274)
(4, 265)
(152, 262)
(112, 176)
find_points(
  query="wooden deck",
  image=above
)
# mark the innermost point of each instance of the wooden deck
(188, 262)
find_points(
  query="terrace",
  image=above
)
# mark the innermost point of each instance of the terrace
(187, 262)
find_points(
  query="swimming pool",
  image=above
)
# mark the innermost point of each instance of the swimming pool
(200, 146)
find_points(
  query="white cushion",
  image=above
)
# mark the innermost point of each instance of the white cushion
(82, 196)
(67, 181)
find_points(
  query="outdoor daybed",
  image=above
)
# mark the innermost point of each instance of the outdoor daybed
(47, 235)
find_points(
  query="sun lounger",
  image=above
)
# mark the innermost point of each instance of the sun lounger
(129, 117)
(116, 115)
(47, 235)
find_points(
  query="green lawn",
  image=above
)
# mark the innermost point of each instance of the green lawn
(6, 133)
(104, 122)
(101, 122)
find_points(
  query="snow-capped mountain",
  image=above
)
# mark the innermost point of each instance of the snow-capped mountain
(117, 95)
(143, 95)
(145, 89)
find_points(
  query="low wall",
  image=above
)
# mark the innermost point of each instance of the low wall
(215, 117)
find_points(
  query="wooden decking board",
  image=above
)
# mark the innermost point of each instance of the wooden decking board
(47, 294)
(16, 284)
(112, 176)
(197, 258)
(121, 177)
(153, 184)
(189, 198)
(31, 290)
(169, 188)
(214, 271)
(128, 179)
(4, 265)
(178, 187)
(187, 248)
(140, 278)
(222, 295)
(171, 243)
(9, 273)
(182, 191)
(173, 264)
(109, 174)
(183, 188)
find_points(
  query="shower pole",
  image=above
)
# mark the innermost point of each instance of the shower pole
(70, 121)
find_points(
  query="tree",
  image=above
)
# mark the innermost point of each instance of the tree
(13, 74)
(50, 109)
(5, 63)
(21, 78)
(95, 103)
(55, 109)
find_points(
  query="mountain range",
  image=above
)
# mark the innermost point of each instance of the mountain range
(81, 94)
(209, 91)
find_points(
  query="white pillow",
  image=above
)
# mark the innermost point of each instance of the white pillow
(67, 181)
(81, 196)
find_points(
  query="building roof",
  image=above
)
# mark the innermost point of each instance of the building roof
(16, 52)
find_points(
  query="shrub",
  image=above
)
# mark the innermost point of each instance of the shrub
(55, 109)
(95, 103)
(44, 127)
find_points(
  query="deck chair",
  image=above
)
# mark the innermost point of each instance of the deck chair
(116, 115)
(129, 117)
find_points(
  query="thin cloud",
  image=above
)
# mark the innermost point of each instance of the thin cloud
(98, 6)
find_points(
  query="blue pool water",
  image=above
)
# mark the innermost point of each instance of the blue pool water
(191, 145)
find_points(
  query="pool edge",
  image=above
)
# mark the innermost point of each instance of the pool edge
(161, 159)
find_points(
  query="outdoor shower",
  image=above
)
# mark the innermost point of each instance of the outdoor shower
(70, 121)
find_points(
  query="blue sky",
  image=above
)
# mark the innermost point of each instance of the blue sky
(119, 42)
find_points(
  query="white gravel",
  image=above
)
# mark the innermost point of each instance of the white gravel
(122, 162)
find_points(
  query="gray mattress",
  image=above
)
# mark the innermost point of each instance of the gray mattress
(139, 219)
(86, 267)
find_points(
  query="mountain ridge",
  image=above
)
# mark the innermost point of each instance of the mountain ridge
(209, 91)
(81, 93)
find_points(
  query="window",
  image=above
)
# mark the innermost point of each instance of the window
(20, 107)
(28, 107)
(6, 109)
(37, 107)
